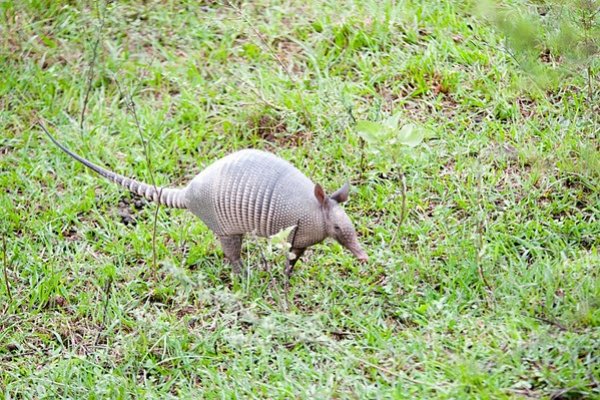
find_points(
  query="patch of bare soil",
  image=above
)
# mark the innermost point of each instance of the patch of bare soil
(398, 90)
(275, 132)
(547, 57)
(288, 53)
(71, 234)
(390, 94)
(437, 85)
(129, 206)
(526, 106)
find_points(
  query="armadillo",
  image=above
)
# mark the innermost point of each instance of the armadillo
(252, 191)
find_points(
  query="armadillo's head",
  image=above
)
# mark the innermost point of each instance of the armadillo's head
(337, 223)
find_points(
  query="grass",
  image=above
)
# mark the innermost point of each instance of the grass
(491, 289)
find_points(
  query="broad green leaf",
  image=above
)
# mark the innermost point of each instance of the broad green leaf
(371, 132)
(392, 121)
(411, 135)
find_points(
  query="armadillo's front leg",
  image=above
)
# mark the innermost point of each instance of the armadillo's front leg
(289, 265)
(232, 248)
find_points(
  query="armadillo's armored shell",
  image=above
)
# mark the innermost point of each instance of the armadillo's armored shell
(255, 191)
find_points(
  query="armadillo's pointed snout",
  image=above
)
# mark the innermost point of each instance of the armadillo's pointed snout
(358, 252)
(361, 256)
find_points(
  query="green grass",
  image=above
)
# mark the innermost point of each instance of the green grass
(507, 188)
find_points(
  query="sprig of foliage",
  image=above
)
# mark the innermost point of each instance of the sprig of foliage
(550, 39)
(387, 137)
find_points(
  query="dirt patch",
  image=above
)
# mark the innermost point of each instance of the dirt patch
(547, 57)
(400, 90)
(526, 106)
(275, 131)
(186, 310)
(70, 234)
(437, 85)
(57, 302)
(394, 89)
(449, 106)
(269, 128)
(288, 53)
(129, 207)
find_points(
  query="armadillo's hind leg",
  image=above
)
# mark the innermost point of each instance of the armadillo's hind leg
(290, 263)
(232, 248)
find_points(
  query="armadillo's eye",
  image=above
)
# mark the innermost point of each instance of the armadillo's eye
(336, 227)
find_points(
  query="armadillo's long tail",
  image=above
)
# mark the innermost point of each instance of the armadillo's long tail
(173, 198)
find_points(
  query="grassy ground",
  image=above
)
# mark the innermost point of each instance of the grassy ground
(491, 289)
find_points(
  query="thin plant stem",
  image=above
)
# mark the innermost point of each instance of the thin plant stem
(402, 210)
(480, 246)
(5, 262)
(590, 85)
(107, 293)
(91, 67)
(131, 107)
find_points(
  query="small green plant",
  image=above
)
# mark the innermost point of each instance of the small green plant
(387, 137)
(388, 140)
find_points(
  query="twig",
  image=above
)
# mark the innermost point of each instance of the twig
(390, 372)
(154, 225)
(479, 256)
(402, 211)
(131, 107)
(560, 393)
(590, 86)
(362, 161)
(130, 104)
(91, 66)
(481, 249)
(549, 322)
(361, 141)
(6, 267)
(107, 292)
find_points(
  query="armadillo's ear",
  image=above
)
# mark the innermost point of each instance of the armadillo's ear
(320, 195)
(341, 195)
